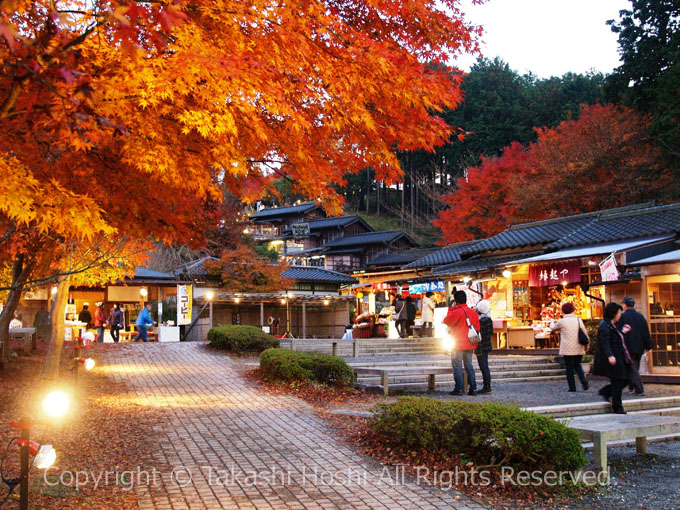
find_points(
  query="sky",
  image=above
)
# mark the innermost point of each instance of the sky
(547, 37)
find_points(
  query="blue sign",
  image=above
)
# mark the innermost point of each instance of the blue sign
(422, 288)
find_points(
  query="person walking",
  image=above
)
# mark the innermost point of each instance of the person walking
(85, 316)
(99, 321)
(410, 315)
(638, 339)
(484, 347)
(399, 310)
(427, 314)
(457, 319)
(611, 357)
(116, 322)
(570, 348)
(143, 320)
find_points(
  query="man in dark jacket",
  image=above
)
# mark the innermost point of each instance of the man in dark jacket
(638, 340)
(85, 316)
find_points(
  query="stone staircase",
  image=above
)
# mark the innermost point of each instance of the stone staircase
(369, 346)
(503, 369)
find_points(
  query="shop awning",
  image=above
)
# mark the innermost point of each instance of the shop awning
(589, 251)
(671, 256)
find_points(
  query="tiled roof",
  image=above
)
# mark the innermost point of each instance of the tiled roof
(448, 255)
(316, 274)
(541, 233)
(338, 221)
(195, 268)
(144, 272)
(399, 258)
(274, 212)
(617, 226)
(385, 236)
(476, 263)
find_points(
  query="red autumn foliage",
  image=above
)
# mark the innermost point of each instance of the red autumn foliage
(603, 159)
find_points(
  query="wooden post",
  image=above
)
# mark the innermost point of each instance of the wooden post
(641, 445)
(334, 348)
(600, 450)
(262, 315)
(430, 382)
(355, 348)
(304, 318)
(384, 381)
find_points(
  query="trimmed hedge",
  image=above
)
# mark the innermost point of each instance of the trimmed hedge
(488, 434)
(241, 339)
(286, 365)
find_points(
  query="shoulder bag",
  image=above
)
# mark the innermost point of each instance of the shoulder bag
(582, 337)
(473, 334)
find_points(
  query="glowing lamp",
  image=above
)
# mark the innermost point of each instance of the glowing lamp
(360, 295)
(447, 343)
(507, 273)
(283, 301)
(88, 338)
(143, 292)
(209, 295)
(56, 404)
(43, 455)
(237, 300)
(54, 290)
(87, 362)
(326, 302)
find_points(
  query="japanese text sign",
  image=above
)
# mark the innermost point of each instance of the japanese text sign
(184, 303)
(422, 288)
(544, 275)
(608, 269)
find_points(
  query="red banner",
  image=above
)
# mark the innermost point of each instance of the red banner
(555, 273)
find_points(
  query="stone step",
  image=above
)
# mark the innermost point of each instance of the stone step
(421, 385)
(590, 408)
(443, 378)
(447, 363)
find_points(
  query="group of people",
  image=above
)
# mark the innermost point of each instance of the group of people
(622, 338)
(405, 315)
(116, 321)
(459, 319)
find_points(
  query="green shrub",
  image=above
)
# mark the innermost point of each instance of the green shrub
(241, 339)
(488, 434)
(287, 365)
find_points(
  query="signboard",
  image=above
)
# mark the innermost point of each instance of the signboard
(184, 303)
(608, 269)
(300, 229)
(35, 294)
(555, 273)
(380, 286)
(422, 288)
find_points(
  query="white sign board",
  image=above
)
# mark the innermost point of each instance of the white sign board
(184, 304)
(608, 269)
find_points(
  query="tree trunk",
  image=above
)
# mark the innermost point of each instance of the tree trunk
(377, 197)
(50, 368)
(368, 189)
(20, 273)
(413, 202)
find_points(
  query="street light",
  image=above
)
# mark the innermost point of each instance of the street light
(56, 404)
(507, 273)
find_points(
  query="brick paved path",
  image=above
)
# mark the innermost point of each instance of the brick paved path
(224, 445)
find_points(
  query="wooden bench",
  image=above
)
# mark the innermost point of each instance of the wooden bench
(602, 428)
(127, 336)
(386, 372)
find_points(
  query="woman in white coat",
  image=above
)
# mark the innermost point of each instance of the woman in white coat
(570, 348)
(427, 315)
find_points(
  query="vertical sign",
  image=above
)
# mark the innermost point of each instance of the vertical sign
(608, 269)
(184, 301)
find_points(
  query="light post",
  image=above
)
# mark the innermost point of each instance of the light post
(209, 296)
(288, 334)
(56, 404)
(79, 344)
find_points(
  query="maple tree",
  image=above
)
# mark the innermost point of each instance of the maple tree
(481, 205)
(242, 269)
(123, 117)
(603, 159)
